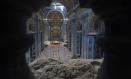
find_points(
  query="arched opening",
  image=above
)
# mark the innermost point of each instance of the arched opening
(72, 35)
(55, 21)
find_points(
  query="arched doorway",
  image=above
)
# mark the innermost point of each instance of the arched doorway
(55, 21)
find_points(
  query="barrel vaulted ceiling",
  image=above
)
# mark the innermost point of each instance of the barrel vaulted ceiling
(69, 4)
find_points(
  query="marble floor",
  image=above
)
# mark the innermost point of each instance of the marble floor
(57, 52)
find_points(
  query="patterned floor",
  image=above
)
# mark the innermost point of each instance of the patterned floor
(58, 52)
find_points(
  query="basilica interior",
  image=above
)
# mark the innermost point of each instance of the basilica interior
(63, 32)
(65, 39)
(75, 28)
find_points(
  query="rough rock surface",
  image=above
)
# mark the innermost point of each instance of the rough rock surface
(74, 69)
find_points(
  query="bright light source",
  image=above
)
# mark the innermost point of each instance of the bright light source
(66, 19)
(45, 19)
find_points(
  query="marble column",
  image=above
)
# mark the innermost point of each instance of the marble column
(73, 35)
(37, 36)
(84, 20)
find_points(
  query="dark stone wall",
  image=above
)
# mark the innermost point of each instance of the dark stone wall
(14, 41)
(117, 40)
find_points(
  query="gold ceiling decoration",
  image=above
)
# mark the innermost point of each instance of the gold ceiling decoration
(55, 18)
